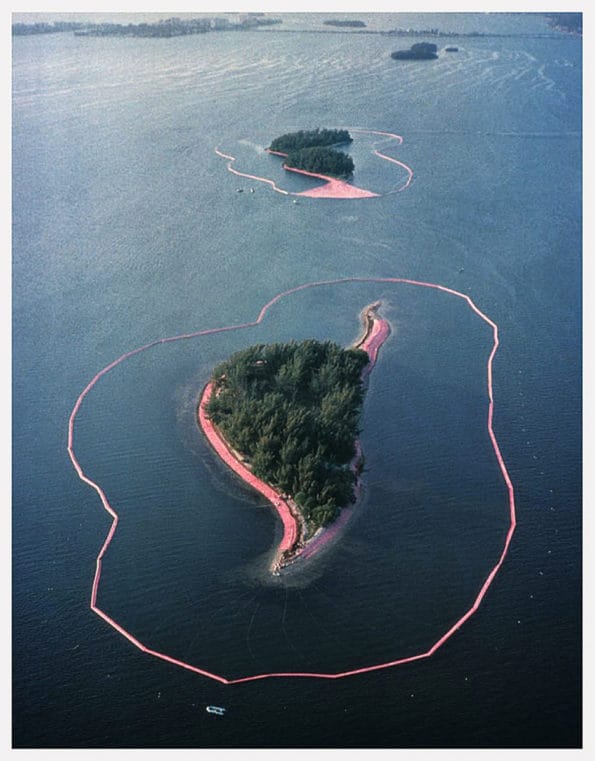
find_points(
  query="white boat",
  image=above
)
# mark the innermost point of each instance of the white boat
(217, 710)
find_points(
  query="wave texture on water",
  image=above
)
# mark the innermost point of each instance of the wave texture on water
(320, 675)
(332, 187)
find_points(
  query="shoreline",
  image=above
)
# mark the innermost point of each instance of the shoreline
(422, 651)
(295, 542)
(333, 187)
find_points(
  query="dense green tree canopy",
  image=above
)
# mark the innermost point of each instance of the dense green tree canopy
(292, 411)
(293, 141)
(313, 151)
(321, 161)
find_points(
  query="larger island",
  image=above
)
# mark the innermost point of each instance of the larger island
(285, 418)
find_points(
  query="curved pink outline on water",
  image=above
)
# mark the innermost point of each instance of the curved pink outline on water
(333, 188)
(399, 139)
(250, 176)
(314, 675)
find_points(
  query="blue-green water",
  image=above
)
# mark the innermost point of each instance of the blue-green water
(127, 227)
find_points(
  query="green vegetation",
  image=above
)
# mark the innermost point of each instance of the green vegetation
(321, 161)
(292, 411)
(312, 151)
(293, 141)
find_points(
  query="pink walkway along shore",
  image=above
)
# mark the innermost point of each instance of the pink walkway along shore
(485, 584)
(377, 331)
(290, 528)
(333, 188)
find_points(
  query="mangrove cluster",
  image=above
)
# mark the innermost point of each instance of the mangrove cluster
(313, 151)
(292, 411)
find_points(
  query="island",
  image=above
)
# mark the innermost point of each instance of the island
(314, 152)
(419, 51)
(285, 418)
(345, 23)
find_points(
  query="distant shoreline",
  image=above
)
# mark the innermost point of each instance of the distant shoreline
(156, 31)
(294, 540)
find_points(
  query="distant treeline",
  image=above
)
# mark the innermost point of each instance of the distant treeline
(42, 27)
(171, 27)
(292, 410)
(355, 24)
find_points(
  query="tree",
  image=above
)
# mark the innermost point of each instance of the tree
(292, 410)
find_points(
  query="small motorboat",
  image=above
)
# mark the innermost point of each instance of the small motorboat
(217, 710)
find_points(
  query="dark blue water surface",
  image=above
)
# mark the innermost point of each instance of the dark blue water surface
(128, 227)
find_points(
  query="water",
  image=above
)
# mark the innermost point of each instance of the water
(127, 228)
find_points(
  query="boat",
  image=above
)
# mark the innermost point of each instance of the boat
(217, 710)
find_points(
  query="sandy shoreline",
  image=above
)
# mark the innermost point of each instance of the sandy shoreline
(294, 542)
(333, 188)
(425, 650)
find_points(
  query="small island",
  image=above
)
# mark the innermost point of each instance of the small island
(420, 51)
(324, 161)
(314, 152)
(285, 417)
